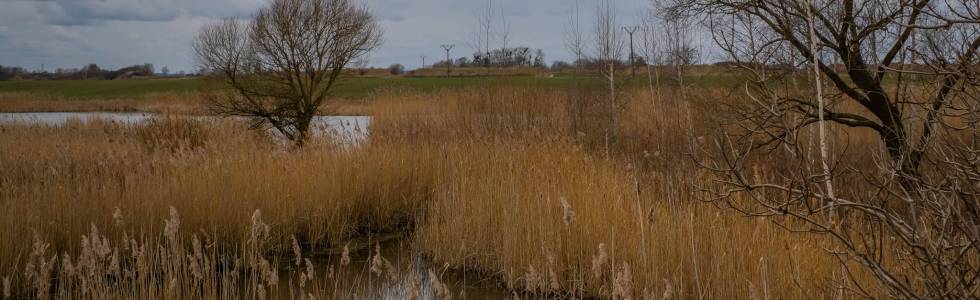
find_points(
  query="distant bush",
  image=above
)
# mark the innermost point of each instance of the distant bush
(396, 69)
(559, 65)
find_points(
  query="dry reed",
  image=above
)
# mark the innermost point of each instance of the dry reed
(530, 187)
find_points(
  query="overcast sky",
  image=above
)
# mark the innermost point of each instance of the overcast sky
(116, 33)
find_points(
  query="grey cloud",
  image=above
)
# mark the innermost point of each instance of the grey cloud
(114, 33)
(94, 12)
(390, 16)
(86, 12)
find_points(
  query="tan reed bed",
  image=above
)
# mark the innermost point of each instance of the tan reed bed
(536, 189)
(543, 202)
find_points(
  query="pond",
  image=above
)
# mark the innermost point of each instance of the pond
(352, 128)
(405, 274)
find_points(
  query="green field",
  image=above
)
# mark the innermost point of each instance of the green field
(101, 89)
(352, 88)
(346, 88)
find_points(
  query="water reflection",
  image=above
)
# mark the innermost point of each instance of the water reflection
(352, 128)
(404, 274)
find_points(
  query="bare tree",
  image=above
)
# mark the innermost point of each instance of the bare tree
(608, 44)
(651, 52)
(680, 53)
(909, 77)
(283, 64)
(608, 50)
(821, 111)
(491, 28)
(574, 38)
(678, 42)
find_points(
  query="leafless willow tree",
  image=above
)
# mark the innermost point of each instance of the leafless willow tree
(908, 213)
(283, 64)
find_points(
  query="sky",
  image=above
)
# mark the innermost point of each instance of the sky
(117, 33)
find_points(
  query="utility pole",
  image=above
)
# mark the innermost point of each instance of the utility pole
(631, 30)
(423, 62)
(449, 63)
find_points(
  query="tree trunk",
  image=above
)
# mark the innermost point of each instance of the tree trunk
(893, 133)
(303, 130)
(828, 175)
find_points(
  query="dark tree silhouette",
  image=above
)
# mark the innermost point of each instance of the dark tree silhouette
(284, 62)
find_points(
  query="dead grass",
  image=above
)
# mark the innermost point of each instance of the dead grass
(550, 236)
(548, 181)
(215, 174)
(535, 188)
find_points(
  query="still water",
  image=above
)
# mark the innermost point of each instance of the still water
(353, 128)
(406, 275)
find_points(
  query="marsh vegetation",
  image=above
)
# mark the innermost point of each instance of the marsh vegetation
(813, 164)
(519, 187)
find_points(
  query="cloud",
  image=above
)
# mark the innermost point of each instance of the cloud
(115, 33)
(88, 12)
(95, 12)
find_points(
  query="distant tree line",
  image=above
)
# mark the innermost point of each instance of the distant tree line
(88, 72)
(500, 58)
(594, 64)
(8, 72)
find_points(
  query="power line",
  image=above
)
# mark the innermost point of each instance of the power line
(449, 63)
(631, 30)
